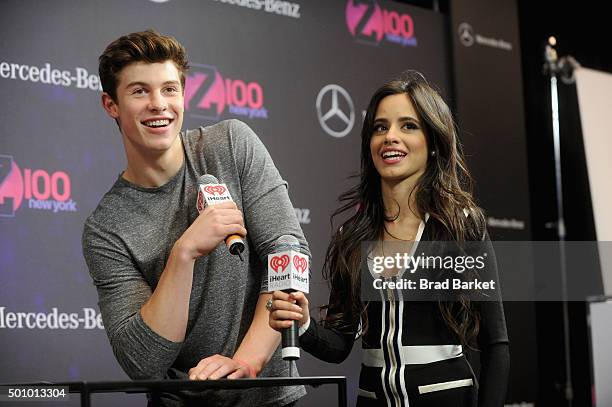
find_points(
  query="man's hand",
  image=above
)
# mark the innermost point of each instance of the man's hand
(218, 366)
(214, 224)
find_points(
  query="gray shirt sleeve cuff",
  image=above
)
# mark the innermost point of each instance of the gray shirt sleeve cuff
(143, 353)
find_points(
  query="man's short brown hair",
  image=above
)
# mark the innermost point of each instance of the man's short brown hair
(145, 46)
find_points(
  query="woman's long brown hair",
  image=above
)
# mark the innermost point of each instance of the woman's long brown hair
(444, 191)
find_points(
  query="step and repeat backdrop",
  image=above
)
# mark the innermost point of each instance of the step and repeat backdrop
(299, 72)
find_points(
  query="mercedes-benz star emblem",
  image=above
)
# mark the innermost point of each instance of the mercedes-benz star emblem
(333, 101)
(466, 34)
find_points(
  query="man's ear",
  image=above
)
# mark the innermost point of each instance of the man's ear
(110, 105)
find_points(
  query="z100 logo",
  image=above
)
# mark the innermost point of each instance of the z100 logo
(370, 23)
(207, 94)
(42, 190)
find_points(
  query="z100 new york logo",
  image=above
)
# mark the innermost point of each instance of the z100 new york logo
(370, 23)
(208, 95)
(37, 188)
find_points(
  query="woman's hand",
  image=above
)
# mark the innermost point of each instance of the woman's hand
(286, 308)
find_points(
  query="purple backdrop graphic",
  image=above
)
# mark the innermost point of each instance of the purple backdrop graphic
(299, 73)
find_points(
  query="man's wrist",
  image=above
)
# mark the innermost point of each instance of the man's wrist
(182, 253)
(252, 371)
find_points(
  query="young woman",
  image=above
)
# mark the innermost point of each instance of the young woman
(414, 187)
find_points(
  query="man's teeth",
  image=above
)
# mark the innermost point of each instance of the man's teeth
(391, 154)
(157, 123)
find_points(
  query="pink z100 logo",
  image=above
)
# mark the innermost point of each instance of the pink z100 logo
(42, 190)
(208, 94)
(370, 23)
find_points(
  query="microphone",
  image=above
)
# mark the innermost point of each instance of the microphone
(211, 192)
(288, 270)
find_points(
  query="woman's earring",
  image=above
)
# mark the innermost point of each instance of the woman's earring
(433, 153)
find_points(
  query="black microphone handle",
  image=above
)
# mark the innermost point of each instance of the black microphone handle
(290, 340)
(291, 336)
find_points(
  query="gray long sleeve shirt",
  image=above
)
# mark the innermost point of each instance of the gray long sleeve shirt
(127, 241)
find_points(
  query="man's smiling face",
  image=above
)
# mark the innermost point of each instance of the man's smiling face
(149, 106)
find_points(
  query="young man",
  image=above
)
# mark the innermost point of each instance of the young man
(175, 302)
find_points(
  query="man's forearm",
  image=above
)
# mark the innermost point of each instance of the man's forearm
(166, 312)
(260, 341)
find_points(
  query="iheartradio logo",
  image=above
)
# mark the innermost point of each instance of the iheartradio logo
(280, 262)
(212, 194)
(215, 189)
(288, 270)
(300, 264)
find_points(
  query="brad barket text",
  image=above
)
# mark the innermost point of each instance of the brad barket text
(424, 284)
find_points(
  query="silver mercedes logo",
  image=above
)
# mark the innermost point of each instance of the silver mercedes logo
(466, 34)
(335, 110)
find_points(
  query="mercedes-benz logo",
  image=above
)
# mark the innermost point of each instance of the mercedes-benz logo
(466, 34)
(333, 101)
